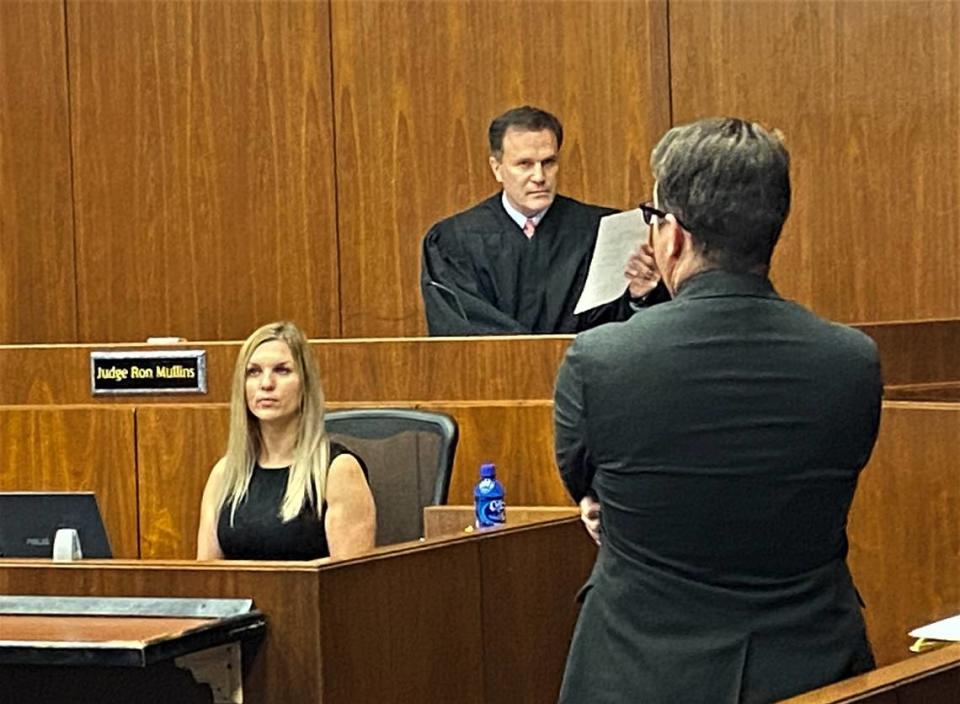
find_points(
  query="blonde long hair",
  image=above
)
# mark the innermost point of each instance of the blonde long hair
(307, 479)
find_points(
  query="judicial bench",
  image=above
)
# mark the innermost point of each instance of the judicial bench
(410, 618)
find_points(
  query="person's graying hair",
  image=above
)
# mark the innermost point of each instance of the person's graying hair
(526, 118)
(728, 182)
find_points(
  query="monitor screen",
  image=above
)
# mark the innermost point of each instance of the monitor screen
(30, 520)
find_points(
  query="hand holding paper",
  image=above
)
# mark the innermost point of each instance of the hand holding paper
(620, 258)
(641, 271)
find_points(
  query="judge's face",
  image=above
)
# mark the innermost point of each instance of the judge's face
(273, 383)
(527, 169)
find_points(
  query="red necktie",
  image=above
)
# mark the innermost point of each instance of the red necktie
(529, 227)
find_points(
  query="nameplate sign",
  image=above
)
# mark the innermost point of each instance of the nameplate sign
(149, 372)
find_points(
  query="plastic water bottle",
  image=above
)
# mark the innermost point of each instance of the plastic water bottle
(488, 498)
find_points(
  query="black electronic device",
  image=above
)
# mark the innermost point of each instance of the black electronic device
(29, 521)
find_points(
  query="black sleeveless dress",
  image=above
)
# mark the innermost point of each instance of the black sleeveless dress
(258, 533)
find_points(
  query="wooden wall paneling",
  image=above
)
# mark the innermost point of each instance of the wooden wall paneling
(518, 437)
(917, 351)
(871, 126)
(436, 369)
(60, 374)
(947, 392)
(204, 168)
(431, 606)
(37, 294)
(525, 663)
(415, 87)
(75, 449)
(391, 371)
(905, 525)
(285, 667)
(176, 448)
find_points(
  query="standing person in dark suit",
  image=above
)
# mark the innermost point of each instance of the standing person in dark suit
(516, 263)
(714, 445)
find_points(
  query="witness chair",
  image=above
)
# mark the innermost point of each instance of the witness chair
(409, 455)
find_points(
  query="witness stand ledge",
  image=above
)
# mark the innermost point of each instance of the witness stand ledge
(484, 617)
(931, 678)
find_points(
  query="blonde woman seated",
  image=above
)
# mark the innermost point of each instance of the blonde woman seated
(283, 491)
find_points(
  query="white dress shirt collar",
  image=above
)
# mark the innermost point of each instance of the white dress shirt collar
(519, 217)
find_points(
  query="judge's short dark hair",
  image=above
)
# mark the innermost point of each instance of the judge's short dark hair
(728, 181)
(526, 118)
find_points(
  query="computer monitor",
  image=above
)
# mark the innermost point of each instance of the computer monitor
(29, 520)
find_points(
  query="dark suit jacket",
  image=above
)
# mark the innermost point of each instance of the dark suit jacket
(723, 433)
(480, 275)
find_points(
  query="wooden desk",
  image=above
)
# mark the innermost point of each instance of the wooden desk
(479, 619)
(931, 678)
(439, 521)
(57, 649)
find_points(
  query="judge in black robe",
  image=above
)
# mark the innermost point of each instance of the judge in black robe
(481, 275)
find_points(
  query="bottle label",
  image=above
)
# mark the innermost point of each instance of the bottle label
(490, 512)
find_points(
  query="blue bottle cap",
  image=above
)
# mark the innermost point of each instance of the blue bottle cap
(488, 470)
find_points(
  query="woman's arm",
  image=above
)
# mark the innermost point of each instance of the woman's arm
(351, 518)
(208, 545)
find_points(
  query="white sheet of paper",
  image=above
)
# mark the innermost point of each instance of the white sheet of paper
(947, 629)
(617, 237)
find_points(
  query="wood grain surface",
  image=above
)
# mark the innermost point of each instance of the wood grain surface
(80, 630)
(417, 617)
(426, 613)
(387, 371)
(519, 662)
(287, 661)
(873, 127)
(76, 449)
(413, 370)
(931, 678)
(904, 537)
(415, 87)
(176, 447)
(518, 438)
(945, 392)
(203, 168)
(456, 519)
(917, 351)
(196, 169)
(37, 276)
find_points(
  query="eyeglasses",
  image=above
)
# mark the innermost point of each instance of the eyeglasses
(649, 213)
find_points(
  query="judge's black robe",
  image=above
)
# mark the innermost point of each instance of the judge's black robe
(481, 275)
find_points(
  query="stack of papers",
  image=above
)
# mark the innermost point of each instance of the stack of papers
(936, 634)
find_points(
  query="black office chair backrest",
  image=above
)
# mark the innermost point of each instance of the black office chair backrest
(409, 455)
